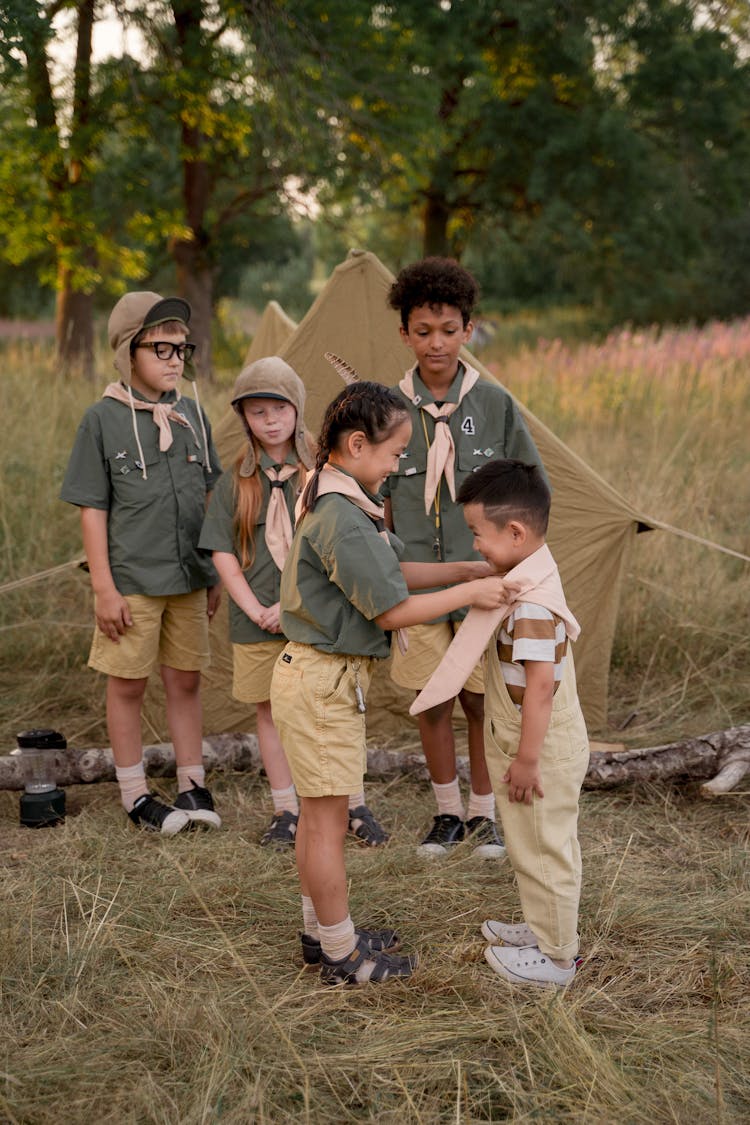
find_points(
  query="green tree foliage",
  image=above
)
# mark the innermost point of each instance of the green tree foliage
(593, 152)
(50, 141)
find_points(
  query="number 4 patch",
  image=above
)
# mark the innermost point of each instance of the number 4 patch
(467, 425)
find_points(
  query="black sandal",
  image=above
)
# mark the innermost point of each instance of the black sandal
(387, 966)
(369, 831)
(379, 941)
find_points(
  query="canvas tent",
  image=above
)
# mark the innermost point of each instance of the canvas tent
(591, 529)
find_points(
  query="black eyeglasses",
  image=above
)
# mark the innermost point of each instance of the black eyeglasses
(164, 350)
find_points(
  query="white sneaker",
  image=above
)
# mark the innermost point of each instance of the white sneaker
(506, 934)
(527, 966)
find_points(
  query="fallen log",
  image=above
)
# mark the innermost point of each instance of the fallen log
(723, 757)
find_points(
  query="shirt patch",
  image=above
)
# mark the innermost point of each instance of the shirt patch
(119, 456)
(467, 426)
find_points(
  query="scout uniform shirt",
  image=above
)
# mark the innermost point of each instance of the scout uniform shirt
(340, 575)
(154, 524)
(262, 576)
(487, 425)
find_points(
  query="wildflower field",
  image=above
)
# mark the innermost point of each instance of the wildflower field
(144, 980)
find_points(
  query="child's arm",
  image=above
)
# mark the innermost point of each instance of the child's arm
(213, 593)
(112, 612)
(485, 593)
(230, 573)
(523, 777)
(420, 575)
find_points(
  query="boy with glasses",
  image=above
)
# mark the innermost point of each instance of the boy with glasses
(142, 468)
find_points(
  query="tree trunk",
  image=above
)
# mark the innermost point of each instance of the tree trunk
(435, 225)
(195, 282)
(727, 752)
(74, 328)
(193, 255)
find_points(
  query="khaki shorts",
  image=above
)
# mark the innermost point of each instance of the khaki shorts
(428, 645)
(172, 631)
(252, 670)
(314, 708)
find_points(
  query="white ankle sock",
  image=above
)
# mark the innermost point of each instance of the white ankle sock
(481, 804)
(448, 798)
(338, 941)
(285, 800)
(132, 782)
(309, 917)
(188, 774)
(357, 799)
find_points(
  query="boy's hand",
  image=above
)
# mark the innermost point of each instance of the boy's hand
(113, 615)
(213, 599)
(523, 780)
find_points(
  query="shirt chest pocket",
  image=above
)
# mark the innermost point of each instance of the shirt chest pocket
(474, 448)
(407, 483)
(126, 469)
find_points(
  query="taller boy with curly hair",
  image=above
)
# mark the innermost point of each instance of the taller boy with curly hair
(459, 423)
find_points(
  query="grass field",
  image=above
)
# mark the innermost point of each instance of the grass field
(151, 981)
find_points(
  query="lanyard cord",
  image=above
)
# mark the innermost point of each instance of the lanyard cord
(436, 501)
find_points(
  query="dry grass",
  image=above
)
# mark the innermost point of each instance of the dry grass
(159, 981)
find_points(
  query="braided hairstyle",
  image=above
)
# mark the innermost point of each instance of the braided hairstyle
(373, 408)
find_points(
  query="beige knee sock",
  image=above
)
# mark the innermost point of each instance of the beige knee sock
(481, 804)
(132, 782)
(338, 940)
(285, 800)
(309, 917)
(448, 798)
(188, 774)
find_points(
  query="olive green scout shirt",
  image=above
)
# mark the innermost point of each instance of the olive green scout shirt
(486, 426)
(340, 574)
(153, 525)
(263, 576)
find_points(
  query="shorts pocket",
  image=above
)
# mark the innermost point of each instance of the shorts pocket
(338, 683)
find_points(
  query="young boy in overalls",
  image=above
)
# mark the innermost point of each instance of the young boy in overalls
(535, 736)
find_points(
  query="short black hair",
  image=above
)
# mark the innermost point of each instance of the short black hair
(507, 490)
(434, 282)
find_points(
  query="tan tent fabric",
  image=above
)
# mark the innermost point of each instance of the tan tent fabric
(591, 529)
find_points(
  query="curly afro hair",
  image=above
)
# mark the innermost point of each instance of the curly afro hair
(434, 282)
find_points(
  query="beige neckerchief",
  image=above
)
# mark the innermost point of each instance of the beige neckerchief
(279, 530)
(441, 455)
(163, 412)
(539, 581)
(331, 479)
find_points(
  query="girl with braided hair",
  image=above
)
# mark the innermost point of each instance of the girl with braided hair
(342, 589)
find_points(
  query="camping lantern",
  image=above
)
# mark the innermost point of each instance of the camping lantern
(42, 803)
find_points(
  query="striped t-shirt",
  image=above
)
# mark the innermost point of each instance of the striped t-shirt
(530, 633)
